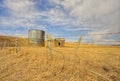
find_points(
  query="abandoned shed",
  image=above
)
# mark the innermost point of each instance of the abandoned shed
(59, 41)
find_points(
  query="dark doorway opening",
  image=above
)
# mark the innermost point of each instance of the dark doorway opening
(59, 44)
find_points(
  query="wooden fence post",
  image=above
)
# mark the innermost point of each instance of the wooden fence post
(0, 45)
(4, 45)
(77, 45)
(76, 48)
(49, 45)
(17, 46)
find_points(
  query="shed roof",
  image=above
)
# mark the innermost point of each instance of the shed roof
(59, 39)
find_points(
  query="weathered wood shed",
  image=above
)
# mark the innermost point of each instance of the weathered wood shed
(59, 42)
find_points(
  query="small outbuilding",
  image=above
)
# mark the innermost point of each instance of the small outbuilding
(59, 41)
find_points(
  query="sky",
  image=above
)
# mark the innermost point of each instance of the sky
(67, 19)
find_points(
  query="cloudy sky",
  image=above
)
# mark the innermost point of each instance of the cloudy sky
(63, 18)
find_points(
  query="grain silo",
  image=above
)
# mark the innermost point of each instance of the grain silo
(59, 41)
(36, 37)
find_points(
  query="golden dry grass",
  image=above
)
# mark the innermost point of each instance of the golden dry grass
(91, 63)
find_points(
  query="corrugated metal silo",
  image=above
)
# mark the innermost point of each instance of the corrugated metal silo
(36, 37)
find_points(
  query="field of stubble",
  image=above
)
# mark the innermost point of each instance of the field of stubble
(91, 63)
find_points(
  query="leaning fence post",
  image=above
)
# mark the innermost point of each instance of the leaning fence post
(0, 46)
(49, 45)
(4, 45)
(17, 46)
(77, 46)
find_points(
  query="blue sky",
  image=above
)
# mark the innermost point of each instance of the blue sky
(62, 18)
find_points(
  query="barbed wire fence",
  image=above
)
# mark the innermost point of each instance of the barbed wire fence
(5, 42)
(95, 73)
(74, 65)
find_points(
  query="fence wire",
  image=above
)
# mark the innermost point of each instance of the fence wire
(65, 64)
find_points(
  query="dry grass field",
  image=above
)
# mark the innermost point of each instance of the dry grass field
(91, 63)
(88, 63)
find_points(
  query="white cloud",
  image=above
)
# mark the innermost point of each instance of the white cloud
(22, 13)
(103, 15)
(100, 15)
(20, 8)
